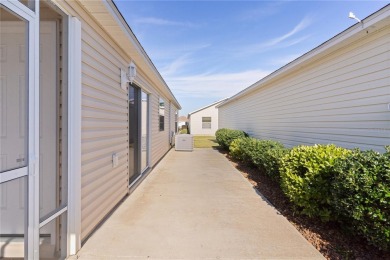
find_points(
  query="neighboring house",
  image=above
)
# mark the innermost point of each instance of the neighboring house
(204, 121)
(183, 120)
(336, 93)
(75, 136)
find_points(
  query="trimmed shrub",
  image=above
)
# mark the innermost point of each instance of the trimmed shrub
(361, 195)
(264, 154)
(219, 135)
(267, 157)
(237, 149)
(226, 136)
(242, 148)
(306, 178)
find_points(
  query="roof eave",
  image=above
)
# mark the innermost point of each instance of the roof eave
(122, 34)
(213, 104)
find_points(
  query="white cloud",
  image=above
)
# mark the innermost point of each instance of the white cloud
(299, 27)
(282, 41)
(162, 22)
(176, 65)
(218, 85)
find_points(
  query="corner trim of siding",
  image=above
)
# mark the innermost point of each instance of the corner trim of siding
(74, 136)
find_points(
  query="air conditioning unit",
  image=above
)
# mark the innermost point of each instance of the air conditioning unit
(184, 142)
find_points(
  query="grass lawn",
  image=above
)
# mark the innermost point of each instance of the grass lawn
(205, 142)
(183, 131)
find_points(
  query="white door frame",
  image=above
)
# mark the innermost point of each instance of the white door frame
(74, 132)
(32, 169)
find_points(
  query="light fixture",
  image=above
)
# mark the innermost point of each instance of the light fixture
(128, 76)
(352, 16)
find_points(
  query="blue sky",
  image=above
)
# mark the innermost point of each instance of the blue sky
(209, 50)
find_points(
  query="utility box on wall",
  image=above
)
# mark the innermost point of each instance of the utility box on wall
(184, 142)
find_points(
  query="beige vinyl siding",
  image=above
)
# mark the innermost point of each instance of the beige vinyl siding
(104, 122)
(104, 129)
(172, 117)
(105, 119)
(171, 122)
(341, 98)
(159, 140)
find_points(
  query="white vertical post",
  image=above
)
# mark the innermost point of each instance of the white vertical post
(33, 143)
(74, 136)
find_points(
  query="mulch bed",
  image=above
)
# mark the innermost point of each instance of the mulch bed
(329, 238)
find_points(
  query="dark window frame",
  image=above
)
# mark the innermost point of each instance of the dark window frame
(161, 114)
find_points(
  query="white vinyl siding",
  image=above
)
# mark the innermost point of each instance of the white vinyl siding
(341, 98)
(196, 121)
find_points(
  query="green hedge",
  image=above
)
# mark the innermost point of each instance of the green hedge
(361, 195)
(242, 148)
(226, 136)
(325, 181)
(268, 156)
(306, 178)
(264, 154)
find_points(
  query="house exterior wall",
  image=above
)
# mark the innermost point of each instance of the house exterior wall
(195, 121)
(341, 98)
(105, 120)
(159, 140)
(172, 118)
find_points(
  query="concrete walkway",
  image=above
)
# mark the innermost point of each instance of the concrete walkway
(196, 206)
